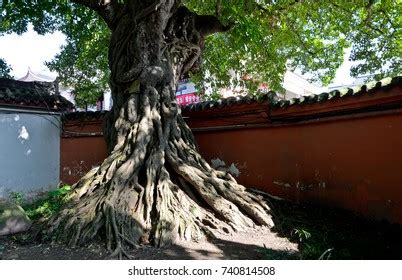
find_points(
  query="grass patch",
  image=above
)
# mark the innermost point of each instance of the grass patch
(49, 205)
(43, 208)
(317, 230)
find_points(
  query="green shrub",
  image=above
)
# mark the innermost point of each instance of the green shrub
(17, 197)
(301, 234)
(45, 207)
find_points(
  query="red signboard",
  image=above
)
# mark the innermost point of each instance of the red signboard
(186, 99)
(186, 93)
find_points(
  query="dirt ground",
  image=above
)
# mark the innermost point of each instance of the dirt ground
(245, 245)
(301, 232)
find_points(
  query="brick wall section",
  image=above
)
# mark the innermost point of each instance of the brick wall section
(344, 152)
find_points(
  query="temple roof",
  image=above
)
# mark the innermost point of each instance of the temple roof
(32, 95)
(35, 77)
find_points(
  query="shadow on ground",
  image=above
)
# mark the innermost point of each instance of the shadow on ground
(216, 249)
(301, 232)
(336, 233)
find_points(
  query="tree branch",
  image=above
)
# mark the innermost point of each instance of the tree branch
(92, 4)
(218, 8)
(107, 9)
(385, 14)
(366, 22)
(300, 39)
(148, 10)
(207, 24)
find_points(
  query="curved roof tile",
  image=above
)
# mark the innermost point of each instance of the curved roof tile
(40, 95)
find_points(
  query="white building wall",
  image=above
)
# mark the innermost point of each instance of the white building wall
(297, 86)
(107, 99)
(29, 153)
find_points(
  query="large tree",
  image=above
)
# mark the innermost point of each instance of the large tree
(155, 185)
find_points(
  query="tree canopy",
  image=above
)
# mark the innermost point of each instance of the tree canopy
(264, 38)
(5, 69)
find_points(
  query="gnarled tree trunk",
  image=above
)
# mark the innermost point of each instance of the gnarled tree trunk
(154, 186)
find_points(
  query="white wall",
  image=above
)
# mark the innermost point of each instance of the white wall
(296, 86)
(107, 100)
(29, 153)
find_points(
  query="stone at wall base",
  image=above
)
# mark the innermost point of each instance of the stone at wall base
(13, 218)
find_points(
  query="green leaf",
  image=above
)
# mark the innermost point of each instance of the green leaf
(267, 38)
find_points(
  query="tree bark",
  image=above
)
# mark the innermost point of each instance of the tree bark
(155, 186)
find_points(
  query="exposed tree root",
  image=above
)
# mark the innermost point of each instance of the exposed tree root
(155, 187)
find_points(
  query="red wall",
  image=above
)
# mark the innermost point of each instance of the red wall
(81, 147)
(345, 153)
(355, 163)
